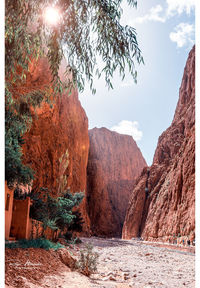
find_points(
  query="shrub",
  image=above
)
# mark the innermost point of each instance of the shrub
(55, 213)
(34, 243)
(77, 222)
(87, 264)
(77, 240)
(15, 127)
(68, 235)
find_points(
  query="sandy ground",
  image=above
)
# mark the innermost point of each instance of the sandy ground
(121, 264)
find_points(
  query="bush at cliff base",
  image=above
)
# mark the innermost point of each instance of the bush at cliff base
(34, 243)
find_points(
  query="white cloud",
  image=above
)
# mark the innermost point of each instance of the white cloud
(183, 35)
(128, 128)
(158, 14)
(153, 15)
(179, 6)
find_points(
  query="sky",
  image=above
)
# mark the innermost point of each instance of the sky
(165, 33)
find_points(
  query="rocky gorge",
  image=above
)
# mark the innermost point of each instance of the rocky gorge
(162, 204)
(57, 144)
(101, 163)
(114, 163)
(107, 166)
(155, 204)
(82, 208)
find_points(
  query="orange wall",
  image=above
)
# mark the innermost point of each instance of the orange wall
(17, 221)
(8, 213)
(20, 219)
(35, 230)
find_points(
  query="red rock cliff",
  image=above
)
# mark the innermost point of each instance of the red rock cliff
(114, 162)
(64, 127)
(167, 209)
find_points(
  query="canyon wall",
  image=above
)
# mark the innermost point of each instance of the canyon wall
(165, 210)
(54, 131)
(114, 162)
(59, 135)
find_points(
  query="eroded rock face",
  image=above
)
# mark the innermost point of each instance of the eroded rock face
(64, 127)
(167, 211)
(114, 162)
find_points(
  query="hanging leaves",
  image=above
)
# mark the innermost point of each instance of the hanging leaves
(88, 30)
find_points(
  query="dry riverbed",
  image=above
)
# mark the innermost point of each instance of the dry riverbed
(121, 264)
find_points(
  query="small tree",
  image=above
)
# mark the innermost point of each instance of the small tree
(55, 213)
(64, 212)
(18, 120)
(77, 222)
(15, 170)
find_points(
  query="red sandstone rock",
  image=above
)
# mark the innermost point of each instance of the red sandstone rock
(64, 127)
(114, 162)
(169, 209)
(67, 258)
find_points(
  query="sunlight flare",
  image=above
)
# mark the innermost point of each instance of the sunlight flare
(52, 16)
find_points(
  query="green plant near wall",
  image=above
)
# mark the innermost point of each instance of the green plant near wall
(18, 120)
(15, 170)
(34, 243)
(55, 213)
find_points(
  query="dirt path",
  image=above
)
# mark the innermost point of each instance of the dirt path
(124, 264)
(140, 264)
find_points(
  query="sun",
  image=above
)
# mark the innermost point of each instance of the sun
(51, 16)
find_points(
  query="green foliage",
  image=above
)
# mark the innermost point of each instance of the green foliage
(55, 213)
(21, 44)
(68, 236)
(87, 30)
(15, 170)
(87, 264)
(34, 243)
(65, 206)
(77, 240)
(77, 222)
(18, 120)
